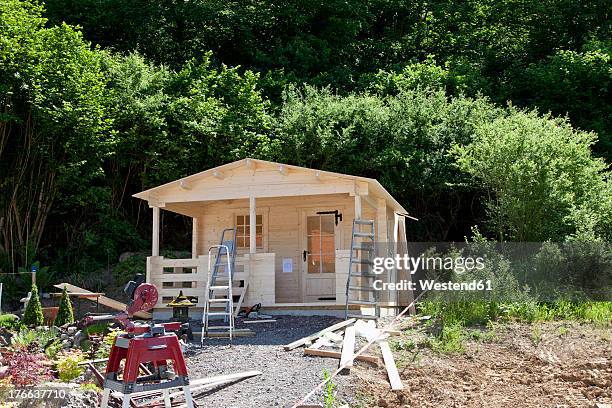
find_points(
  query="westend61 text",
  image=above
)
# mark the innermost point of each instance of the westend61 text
(432, 285)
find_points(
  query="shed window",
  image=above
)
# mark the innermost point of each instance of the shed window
(243, 231)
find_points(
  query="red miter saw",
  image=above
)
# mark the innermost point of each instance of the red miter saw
(152, 344)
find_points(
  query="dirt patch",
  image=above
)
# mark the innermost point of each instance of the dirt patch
(541, 365)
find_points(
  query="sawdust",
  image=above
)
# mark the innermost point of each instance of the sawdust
(561, 365)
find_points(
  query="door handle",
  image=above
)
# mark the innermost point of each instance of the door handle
(304, 254)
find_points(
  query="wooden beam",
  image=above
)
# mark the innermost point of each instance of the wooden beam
(337, 354)
(263, 190)
(318, 334)
(194, 237)
(103, 300)
(348, 347)
(241, 298)
(357, 207)
(155, 232)
(381, 220)
(394, 378)
(250, 164)
(252, 225)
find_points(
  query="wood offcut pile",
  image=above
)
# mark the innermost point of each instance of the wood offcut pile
(339, 340)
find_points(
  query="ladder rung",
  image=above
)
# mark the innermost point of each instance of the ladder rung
(219, 287)
(364, 234)
(218, 300)
(219, 314)
(364, 222)
(362, 288)
(364, 275)
(219, 327)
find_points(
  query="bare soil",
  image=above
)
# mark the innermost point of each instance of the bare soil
(554, 364)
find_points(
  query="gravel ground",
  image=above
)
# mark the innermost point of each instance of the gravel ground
(287, 375)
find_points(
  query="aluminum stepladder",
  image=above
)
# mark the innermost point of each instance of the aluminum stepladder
(219, 285)
(359, 289)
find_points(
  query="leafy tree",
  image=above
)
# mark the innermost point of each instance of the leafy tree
(65, 313)
(541, 178)
(33, 315)
(402, 140)
(53, 125)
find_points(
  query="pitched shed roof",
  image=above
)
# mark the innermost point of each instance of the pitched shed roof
(261, 178)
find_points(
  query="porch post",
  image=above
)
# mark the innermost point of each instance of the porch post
(252, 225)
(194, 237)
(357, 207)
(381, 220)
(155, 232)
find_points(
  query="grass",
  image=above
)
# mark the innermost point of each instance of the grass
(471, 313)
(458, 320)
(449, 340)
(329, 395)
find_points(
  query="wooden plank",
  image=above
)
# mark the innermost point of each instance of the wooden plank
(241, 298)
(103, 300)
(337, 354)
(315, 336)
(224, 378)
(348, 347)
(235, 333)
(394, 378)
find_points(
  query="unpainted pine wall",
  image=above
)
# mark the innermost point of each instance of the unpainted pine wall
(282, 218)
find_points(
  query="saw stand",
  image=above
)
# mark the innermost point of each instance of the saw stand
(154, 347)
(144, 344)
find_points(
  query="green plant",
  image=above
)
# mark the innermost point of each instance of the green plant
(68, 365)
(536, 335)
(329, 395)
(89, 387)
(107, 343)
(33, 315)
(27, 337)
(10, 322)
(64, 314)
(53, 349)
(449, 339)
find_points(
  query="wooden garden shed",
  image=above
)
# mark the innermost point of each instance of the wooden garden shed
(293, 233)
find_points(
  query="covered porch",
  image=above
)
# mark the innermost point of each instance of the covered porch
(293, 233)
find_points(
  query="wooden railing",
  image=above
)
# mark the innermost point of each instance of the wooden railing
(190, 276)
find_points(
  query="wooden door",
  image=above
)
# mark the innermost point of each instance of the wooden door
(318, 257)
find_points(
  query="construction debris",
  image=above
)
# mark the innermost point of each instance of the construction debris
(315, 336)
(343, 335)
(336, 354)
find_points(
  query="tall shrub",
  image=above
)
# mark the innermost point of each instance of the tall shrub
(65, 313)
(33, 315)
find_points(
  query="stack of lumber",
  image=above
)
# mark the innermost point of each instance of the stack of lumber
(339, 341)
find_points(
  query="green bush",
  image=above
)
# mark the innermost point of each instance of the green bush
(68, 366)
(27, 337)
(33, 315)
(64, 314)
(10, 321)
